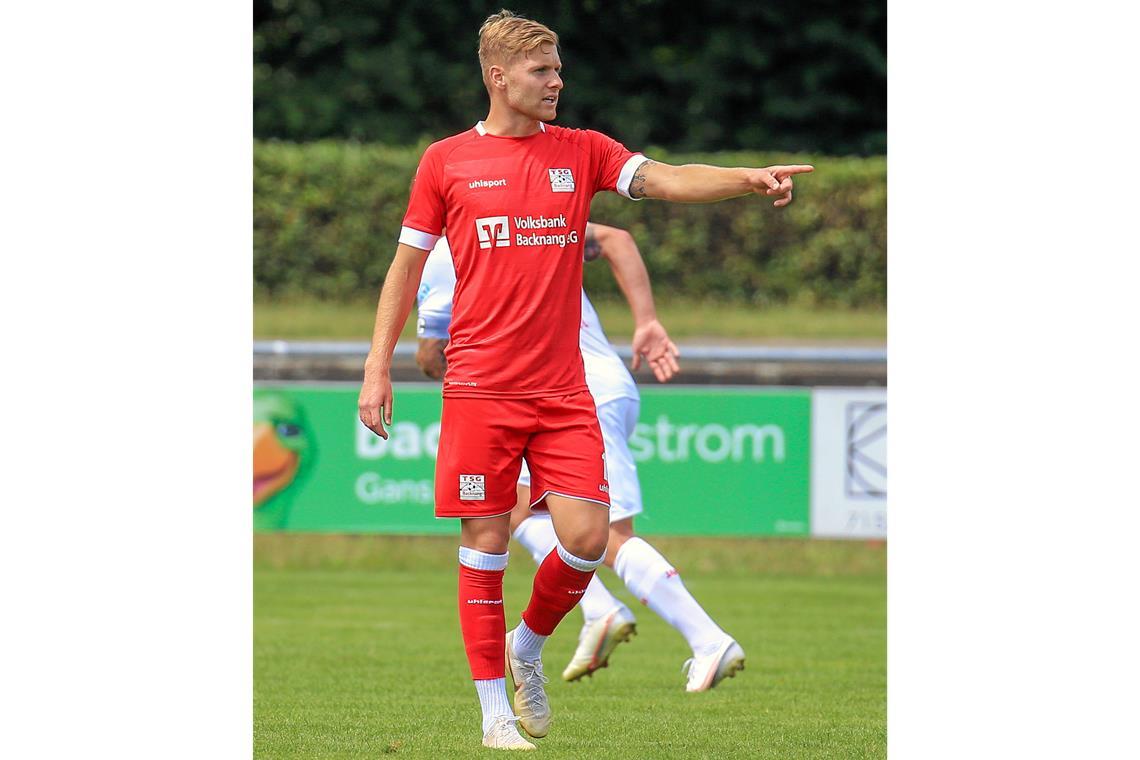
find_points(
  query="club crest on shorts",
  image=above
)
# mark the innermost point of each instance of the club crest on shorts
(561, 180)
(472, 488)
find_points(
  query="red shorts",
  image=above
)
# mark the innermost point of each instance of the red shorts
(482, 443)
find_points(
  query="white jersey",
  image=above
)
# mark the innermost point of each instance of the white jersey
(437, 287)
(606, 375)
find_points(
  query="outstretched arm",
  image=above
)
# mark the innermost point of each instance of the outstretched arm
(396, 297)
(700, 183)
(650, 340)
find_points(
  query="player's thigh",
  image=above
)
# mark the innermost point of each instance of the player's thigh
(480, 451)
(566, 454)
(618, 418)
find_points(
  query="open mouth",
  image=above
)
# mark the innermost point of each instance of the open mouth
(550, 100)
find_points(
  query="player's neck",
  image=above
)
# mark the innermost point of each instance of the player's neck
(506, 122)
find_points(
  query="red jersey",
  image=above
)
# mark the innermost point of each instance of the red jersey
(515, 210)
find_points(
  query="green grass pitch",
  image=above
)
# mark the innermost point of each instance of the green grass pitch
(357, 654)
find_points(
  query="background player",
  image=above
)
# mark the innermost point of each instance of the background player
(514, 195)
(645, 572)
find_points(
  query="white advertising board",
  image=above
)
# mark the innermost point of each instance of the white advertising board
(849, 463)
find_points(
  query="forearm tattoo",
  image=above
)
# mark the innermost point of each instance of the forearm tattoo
(591, 249)
(637, 185)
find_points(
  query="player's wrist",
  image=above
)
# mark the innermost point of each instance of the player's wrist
(377, 364)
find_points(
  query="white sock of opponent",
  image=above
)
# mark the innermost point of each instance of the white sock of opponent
(537, 536)
(654, 581)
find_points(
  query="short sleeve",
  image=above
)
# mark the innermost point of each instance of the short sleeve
(614, 163)
(424, 221)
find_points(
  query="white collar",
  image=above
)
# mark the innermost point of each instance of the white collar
(483, 130)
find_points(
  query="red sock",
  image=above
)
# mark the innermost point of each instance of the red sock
(557, 588)
(482, 622)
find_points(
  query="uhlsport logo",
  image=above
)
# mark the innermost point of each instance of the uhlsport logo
(478, 183)
(494, 232)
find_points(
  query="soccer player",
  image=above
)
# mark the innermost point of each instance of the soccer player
(514, 194)
(645, 572)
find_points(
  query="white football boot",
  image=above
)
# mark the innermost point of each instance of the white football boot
(707, 671)
(503, 735)
(597, 642)
(530, 696)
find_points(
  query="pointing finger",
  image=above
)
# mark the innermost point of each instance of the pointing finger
(787, 171)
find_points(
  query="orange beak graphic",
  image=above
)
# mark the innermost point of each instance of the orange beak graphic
(273, 465)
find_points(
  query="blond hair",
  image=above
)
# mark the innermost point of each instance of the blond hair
(505, 35)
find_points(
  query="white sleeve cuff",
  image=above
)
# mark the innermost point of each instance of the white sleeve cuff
(416, 239)
(627, 173)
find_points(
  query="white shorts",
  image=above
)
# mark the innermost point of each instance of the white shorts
(617, 418)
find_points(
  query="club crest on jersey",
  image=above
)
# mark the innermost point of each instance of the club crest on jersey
(561, 180)
(472, 488)
(493, 231)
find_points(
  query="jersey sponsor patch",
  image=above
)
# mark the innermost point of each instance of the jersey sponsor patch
(472, 488)
(561, 180)
(493, 231)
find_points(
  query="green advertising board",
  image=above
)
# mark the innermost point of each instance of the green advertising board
(711, 461)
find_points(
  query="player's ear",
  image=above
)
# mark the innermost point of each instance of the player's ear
(497, 76)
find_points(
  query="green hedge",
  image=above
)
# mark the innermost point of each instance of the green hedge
(327, 215)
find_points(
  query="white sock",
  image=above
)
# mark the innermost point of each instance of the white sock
(654, 581)
(527, 644)
(598, 601)
(536, 534)
(493, 699)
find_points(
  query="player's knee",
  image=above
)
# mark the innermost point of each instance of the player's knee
(588, 545)
(484, 536)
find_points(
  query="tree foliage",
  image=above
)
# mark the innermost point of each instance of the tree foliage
(327, 215)
(715, 75)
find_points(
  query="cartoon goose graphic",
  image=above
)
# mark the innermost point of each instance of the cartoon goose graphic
(281, 452)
